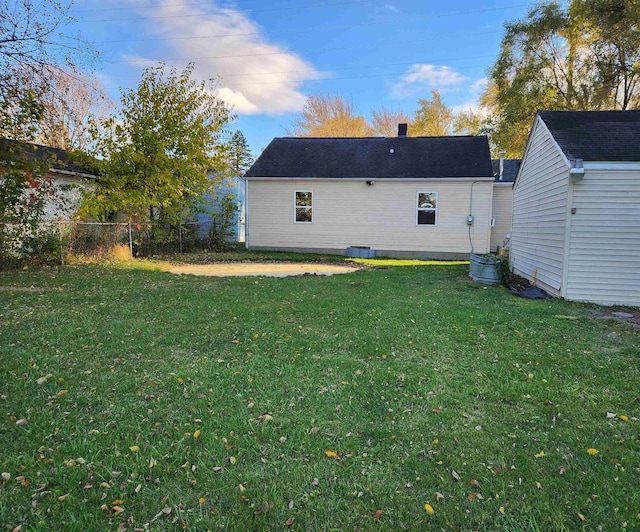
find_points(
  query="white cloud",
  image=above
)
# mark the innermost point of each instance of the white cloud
(473, 95)
(256, 77)
(420, 77)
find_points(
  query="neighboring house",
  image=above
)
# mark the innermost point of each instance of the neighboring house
(505, 171)
(576, 214)
(400, 196)
(69, 178)
(234, 186)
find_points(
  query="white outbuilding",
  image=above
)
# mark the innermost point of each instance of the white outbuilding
(576, 207)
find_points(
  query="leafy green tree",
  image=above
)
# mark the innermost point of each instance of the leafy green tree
(468, 122)
(584, 55)
(239, 153)
(159, 151)
(433, 118)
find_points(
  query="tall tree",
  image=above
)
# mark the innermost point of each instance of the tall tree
(385, 122)
(329, 116)
(584, 55)
(158, 152)
(611, 29)
(239, 154)
(468, 122)
(33, 38)
(70, 103)
(433, 118)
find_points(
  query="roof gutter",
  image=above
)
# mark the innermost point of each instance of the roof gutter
(70, 173)
(377, 179)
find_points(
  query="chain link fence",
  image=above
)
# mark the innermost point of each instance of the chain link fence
(68, 240)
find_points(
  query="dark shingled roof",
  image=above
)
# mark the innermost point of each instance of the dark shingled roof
(511, 167)
(596, 135)
(57, 158)
(372, 157)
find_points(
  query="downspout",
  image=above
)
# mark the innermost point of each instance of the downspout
(470, 218)
(502, 154)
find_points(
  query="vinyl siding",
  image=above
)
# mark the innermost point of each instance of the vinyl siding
(502, 210)
(539, 212)
(382, 217)
(604, 247)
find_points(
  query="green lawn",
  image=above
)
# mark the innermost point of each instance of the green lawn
(135, 398)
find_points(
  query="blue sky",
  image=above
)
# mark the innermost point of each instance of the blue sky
(269, 55)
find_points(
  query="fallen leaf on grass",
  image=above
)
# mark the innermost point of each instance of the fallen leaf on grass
(610, 415)
(117, 510)
(501, 510)
(21, 422)
(6, 476)
(538, 485)
(455, 475)
(164, 512)
(232, 460)
(439, 496)
(582, 517)
(473, 496)
(290, 521)
(623, 418)
(474, 482)
(63, 497)
(540, 454)
(592, 451)
(43, 380)
(429, 509)
(196, 434)
(134, 448)
(331, 454)
(377, 515)
(263, 509)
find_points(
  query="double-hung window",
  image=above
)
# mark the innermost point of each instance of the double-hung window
(303, 206)
(427, 209)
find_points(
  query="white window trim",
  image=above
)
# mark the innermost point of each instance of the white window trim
(295, 206)
(426, 210)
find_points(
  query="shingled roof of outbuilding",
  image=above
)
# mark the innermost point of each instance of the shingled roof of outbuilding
(596, 135)
(60, 160)
(374, 157)
(510, 170)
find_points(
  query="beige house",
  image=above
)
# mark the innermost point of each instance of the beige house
(576, 206)
(424, 197)
(505, 171)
